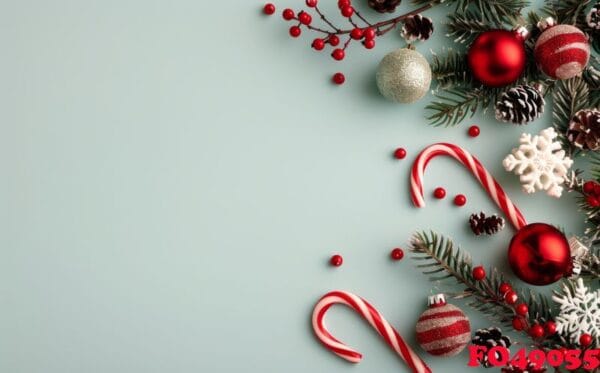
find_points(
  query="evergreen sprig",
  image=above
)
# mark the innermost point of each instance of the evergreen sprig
(450, 69)
(456, 103)
(495, 12)
(570, 96)
(464, 27)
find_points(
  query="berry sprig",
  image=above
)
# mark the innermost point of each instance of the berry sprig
(360, 30)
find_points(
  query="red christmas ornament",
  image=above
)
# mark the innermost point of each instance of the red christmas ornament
(539, 254)
(562, 51)
(497, 57)
(443, 330)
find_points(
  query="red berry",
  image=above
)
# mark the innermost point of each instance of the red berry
(439, 193)
(511, 297)
(288, 14)
(521, 309)
(347, 11)
(400, 153)
(518, 324)
(336, 260)
(597, 189)
(397, 254)
(338, 78)
(338, 54)
(536, 331)
(460, 200)
(343, 3)
(311, 3)
(269, 9)
(369, 43)
(550, 328)
(592, 201)
(295, 31)
(585, 340)
(588, 187)
(474, 131)
(356, 33)
(333, 40)
(478, 273)
(504, 288)
(304, 18)
(369, 33)
(318, 44)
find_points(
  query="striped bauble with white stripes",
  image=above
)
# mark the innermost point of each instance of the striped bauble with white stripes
(562, 51)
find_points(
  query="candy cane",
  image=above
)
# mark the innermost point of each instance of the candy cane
(374, 318)
(485, 178)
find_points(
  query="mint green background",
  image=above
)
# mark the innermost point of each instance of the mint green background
(176, 174)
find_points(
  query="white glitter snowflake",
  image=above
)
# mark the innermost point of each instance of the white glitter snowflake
(540, 162)
(579, 312)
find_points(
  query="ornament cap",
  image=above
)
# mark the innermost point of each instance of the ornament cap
(437, 300)
(546, 23)
(522, 32)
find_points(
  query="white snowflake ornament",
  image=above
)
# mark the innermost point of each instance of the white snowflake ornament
(579, 312)
(540, 162)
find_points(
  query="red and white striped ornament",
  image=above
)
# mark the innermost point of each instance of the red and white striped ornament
(443, 330)
(561, 51)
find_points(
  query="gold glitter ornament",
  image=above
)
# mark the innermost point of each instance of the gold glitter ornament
(404, 76)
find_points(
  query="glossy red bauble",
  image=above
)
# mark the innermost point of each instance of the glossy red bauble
(539, 254)
(497, 58)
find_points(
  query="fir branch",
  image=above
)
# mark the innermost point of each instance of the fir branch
(457, 103)
(450, 69)
(464, 28)
(590, 264)
(567, 11)
(436, 255)
(494, 12)
(570, 96)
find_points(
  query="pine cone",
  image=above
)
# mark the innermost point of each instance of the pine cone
(481, 224)
(584, 130)
(593, 17)
(417, 27)
(384, 6)
(529, 369)
(520, 105)
(489, 338)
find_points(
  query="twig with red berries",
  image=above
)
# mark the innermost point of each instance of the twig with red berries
(366, 33)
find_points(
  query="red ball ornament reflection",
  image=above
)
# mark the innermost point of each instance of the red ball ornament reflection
(539, 254)
(497, 57)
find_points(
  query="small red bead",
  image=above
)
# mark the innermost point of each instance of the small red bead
(336, 260)
(504, 288)
(269, 9)
(521, 309)
(318, 44)
(400, 153)
(550, 328)
(369, 33)
(397, 254)
(304, 18)
(356, 33)
(333, 40)
(295, 31)
(338, 78)
(343, 3)
(536, 331)
(597, 189)
(347, 11)
(588, 187)
(511, 297)
(288, 14)
(369, 43)
(460, 200)
(478, 273)
(474, 131)
(592, 201)
(311, 3)
(518, 324)
(439, 193)
(585, 340)
(338, 54)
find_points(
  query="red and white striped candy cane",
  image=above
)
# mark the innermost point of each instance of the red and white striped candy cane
(485, 178)
(374, 318)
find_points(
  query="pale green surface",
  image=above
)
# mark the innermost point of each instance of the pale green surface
(176, 175)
